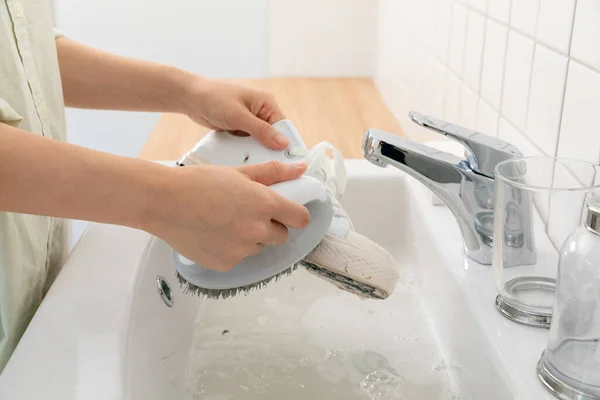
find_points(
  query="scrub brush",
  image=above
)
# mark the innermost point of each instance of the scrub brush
(343, 257)
(273, 261)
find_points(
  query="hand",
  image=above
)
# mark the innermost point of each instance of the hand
(224, 106)
(216, 215)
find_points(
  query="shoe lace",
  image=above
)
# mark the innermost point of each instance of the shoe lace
(330, 171)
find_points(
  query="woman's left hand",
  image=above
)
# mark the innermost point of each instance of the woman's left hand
(225, 106)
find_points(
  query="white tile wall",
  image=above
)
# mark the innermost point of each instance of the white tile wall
(509, 133)
(443, 19)
(555, 22)
(516, 78)
(487, 119)
(565, 208)
(499, 9)
(545, 98)
(524, 15)
(494, 54)
(479, 5)
(433, 82)
(586, 33)
(536, 81)
(468, 108)
(453, 86)
(579, 136)
(474, 49)
(457, 37)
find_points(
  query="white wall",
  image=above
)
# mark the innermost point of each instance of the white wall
(527, 71)
(322, 38)
(225, 38)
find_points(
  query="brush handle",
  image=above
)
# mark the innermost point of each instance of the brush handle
(302, 190)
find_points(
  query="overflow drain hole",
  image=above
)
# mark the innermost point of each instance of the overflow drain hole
(164, 290)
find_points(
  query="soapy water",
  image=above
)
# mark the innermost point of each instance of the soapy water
(381, 385)
(316, 342)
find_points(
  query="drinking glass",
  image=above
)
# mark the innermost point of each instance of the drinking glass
(539, 202)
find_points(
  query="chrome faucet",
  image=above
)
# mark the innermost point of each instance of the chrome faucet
(466, 185)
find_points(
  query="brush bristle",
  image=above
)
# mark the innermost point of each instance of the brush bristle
(190, 288)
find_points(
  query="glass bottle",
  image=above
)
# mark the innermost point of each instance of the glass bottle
(570, 365)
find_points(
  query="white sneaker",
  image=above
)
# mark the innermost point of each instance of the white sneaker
(344, 257)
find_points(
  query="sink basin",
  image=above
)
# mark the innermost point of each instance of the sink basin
(303, 338)
(106, 331)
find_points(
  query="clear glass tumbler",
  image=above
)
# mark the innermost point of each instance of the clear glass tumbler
(540, 201)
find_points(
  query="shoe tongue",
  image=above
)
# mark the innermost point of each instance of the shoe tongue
(288, 129)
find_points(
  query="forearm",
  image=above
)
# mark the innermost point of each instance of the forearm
(95, 79)
(43, 176)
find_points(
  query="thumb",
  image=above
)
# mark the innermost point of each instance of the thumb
(273, 171)
(263, 131)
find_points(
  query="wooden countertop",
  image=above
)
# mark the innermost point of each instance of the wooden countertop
(335, 110)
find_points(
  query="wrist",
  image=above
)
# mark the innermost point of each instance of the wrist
(190, 88)
(176, 89)
(160, 198)
(154, 186)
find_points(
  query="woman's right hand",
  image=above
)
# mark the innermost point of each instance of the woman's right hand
(216, 215)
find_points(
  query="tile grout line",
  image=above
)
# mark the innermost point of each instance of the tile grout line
(447, 52)
(562, 104)
(439, 60)
(485, 25)
(462, 66)
(531, 64)
(527, 139)
(584, 64)
(464, 39)
(479, 96)
(531, 143)
(503, 74)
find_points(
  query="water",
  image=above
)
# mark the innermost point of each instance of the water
(382, 385)
(303, 339)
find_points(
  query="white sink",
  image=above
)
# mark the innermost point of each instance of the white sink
(104, 332)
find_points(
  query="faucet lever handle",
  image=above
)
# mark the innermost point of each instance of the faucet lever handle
(484, 152)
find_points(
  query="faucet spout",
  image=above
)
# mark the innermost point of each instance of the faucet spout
(445, 175)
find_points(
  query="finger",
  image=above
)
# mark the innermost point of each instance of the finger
(273, 171)
(276, 235)
(262, 131)
(274, 115)
(290, 214)
(257, 249)
(264, 106)
(268, 109)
